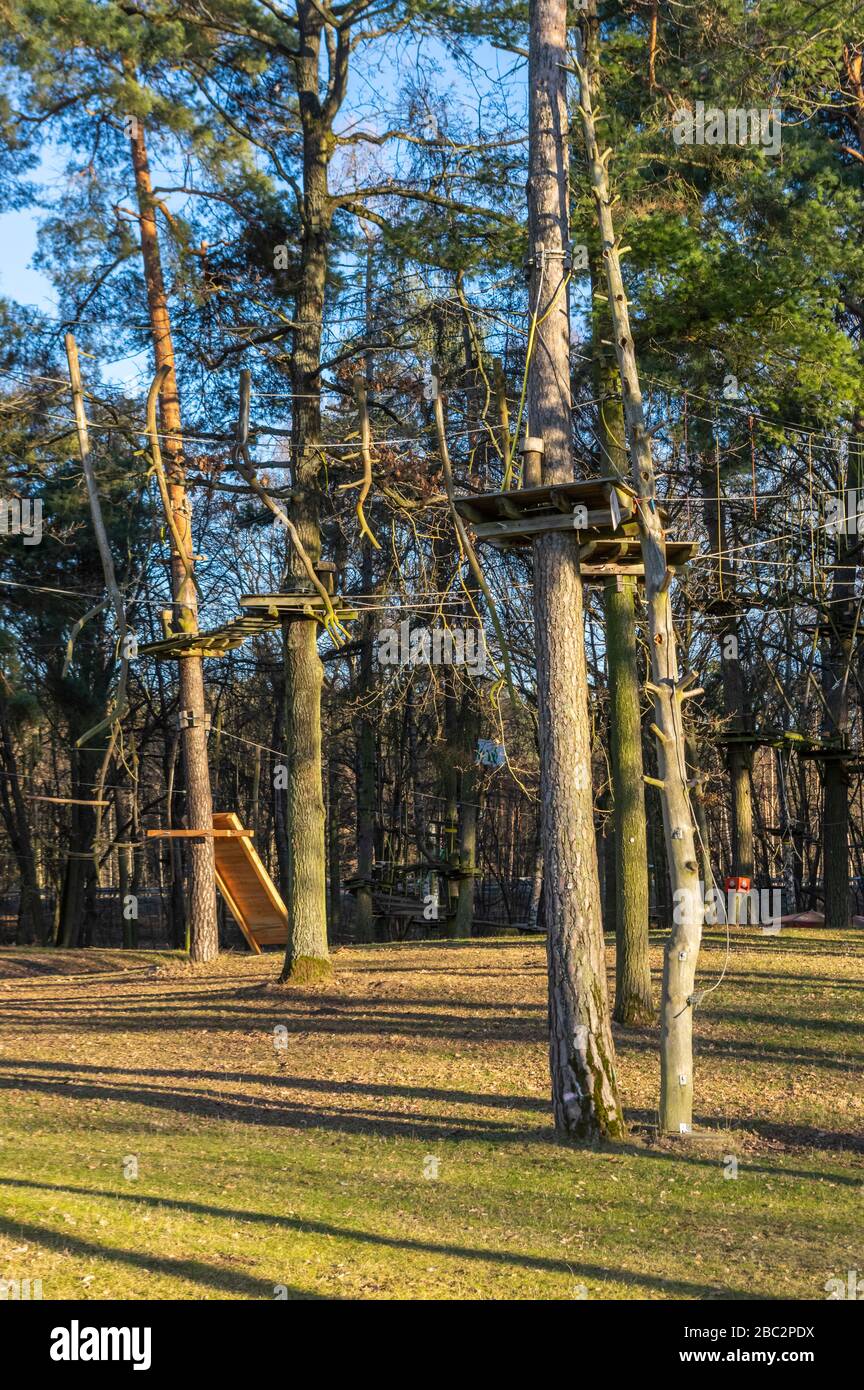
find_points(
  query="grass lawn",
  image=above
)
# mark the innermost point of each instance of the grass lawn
(391, 1138)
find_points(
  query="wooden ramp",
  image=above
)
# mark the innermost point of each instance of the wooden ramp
(249, 891)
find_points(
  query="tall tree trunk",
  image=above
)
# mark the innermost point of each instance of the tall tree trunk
(255, 817)
(31, 926)
(365, 771)
(448, 792)
(698, 801)
(280, 832)
(581, 1052)
(667, 688)
(137, 866)
(203, 934)
(633, 1002)
(334, 814)
(536, 888)
(470, 721)
(84, 766)
(468, 733)
(307, 957)
(740, 762)
(837, 659)
(787, 837)
(177, 898)
(739, 757)
(125, 816)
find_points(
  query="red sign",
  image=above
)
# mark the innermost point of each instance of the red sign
(737, 885)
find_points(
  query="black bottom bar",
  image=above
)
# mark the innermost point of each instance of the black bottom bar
(85, 1340)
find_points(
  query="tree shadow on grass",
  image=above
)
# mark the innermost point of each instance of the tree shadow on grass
(643, 1040)
(239, 1108)
(757, 978)
(302, 1083)
(332, 1015)
(575, 1269)
(790, 1135)
(196, 1271)
(754, 1017)
(340, 1016)
(807, 947)
(747, 1165)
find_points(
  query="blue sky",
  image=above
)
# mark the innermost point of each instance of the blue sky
(17, 279)
(466, 86)
(20, 281)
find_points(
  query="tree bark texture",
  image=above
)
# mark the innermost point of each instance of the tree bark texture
(633, 1002)
(581, 1052)
(201, 896)
(666, 686)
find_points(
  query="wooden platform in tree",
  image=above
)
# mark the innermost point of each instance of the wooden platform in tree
(804, 745)
(531, 511)
(260, 613)
(842, 626)
(600, 511)
(250, 894)
(759, 738)
(827, 751)
(600, 558)
(397, 905)
(297, 606)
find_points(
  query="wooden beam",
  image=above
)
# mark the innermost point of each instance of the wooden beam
(200, 834)
(66, 800)
(540, 524)
(470, 513)
(509, 509)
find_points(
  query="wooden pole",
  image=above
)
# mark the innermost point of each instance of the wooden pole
(666, 686)
(111, 720)
(102, 542)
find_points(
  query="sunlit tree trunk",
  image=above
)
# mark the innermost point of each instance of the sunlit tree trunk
(633, 1003)
(307, 957)
(666, 685)
(581, 1052)
(201, 897)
